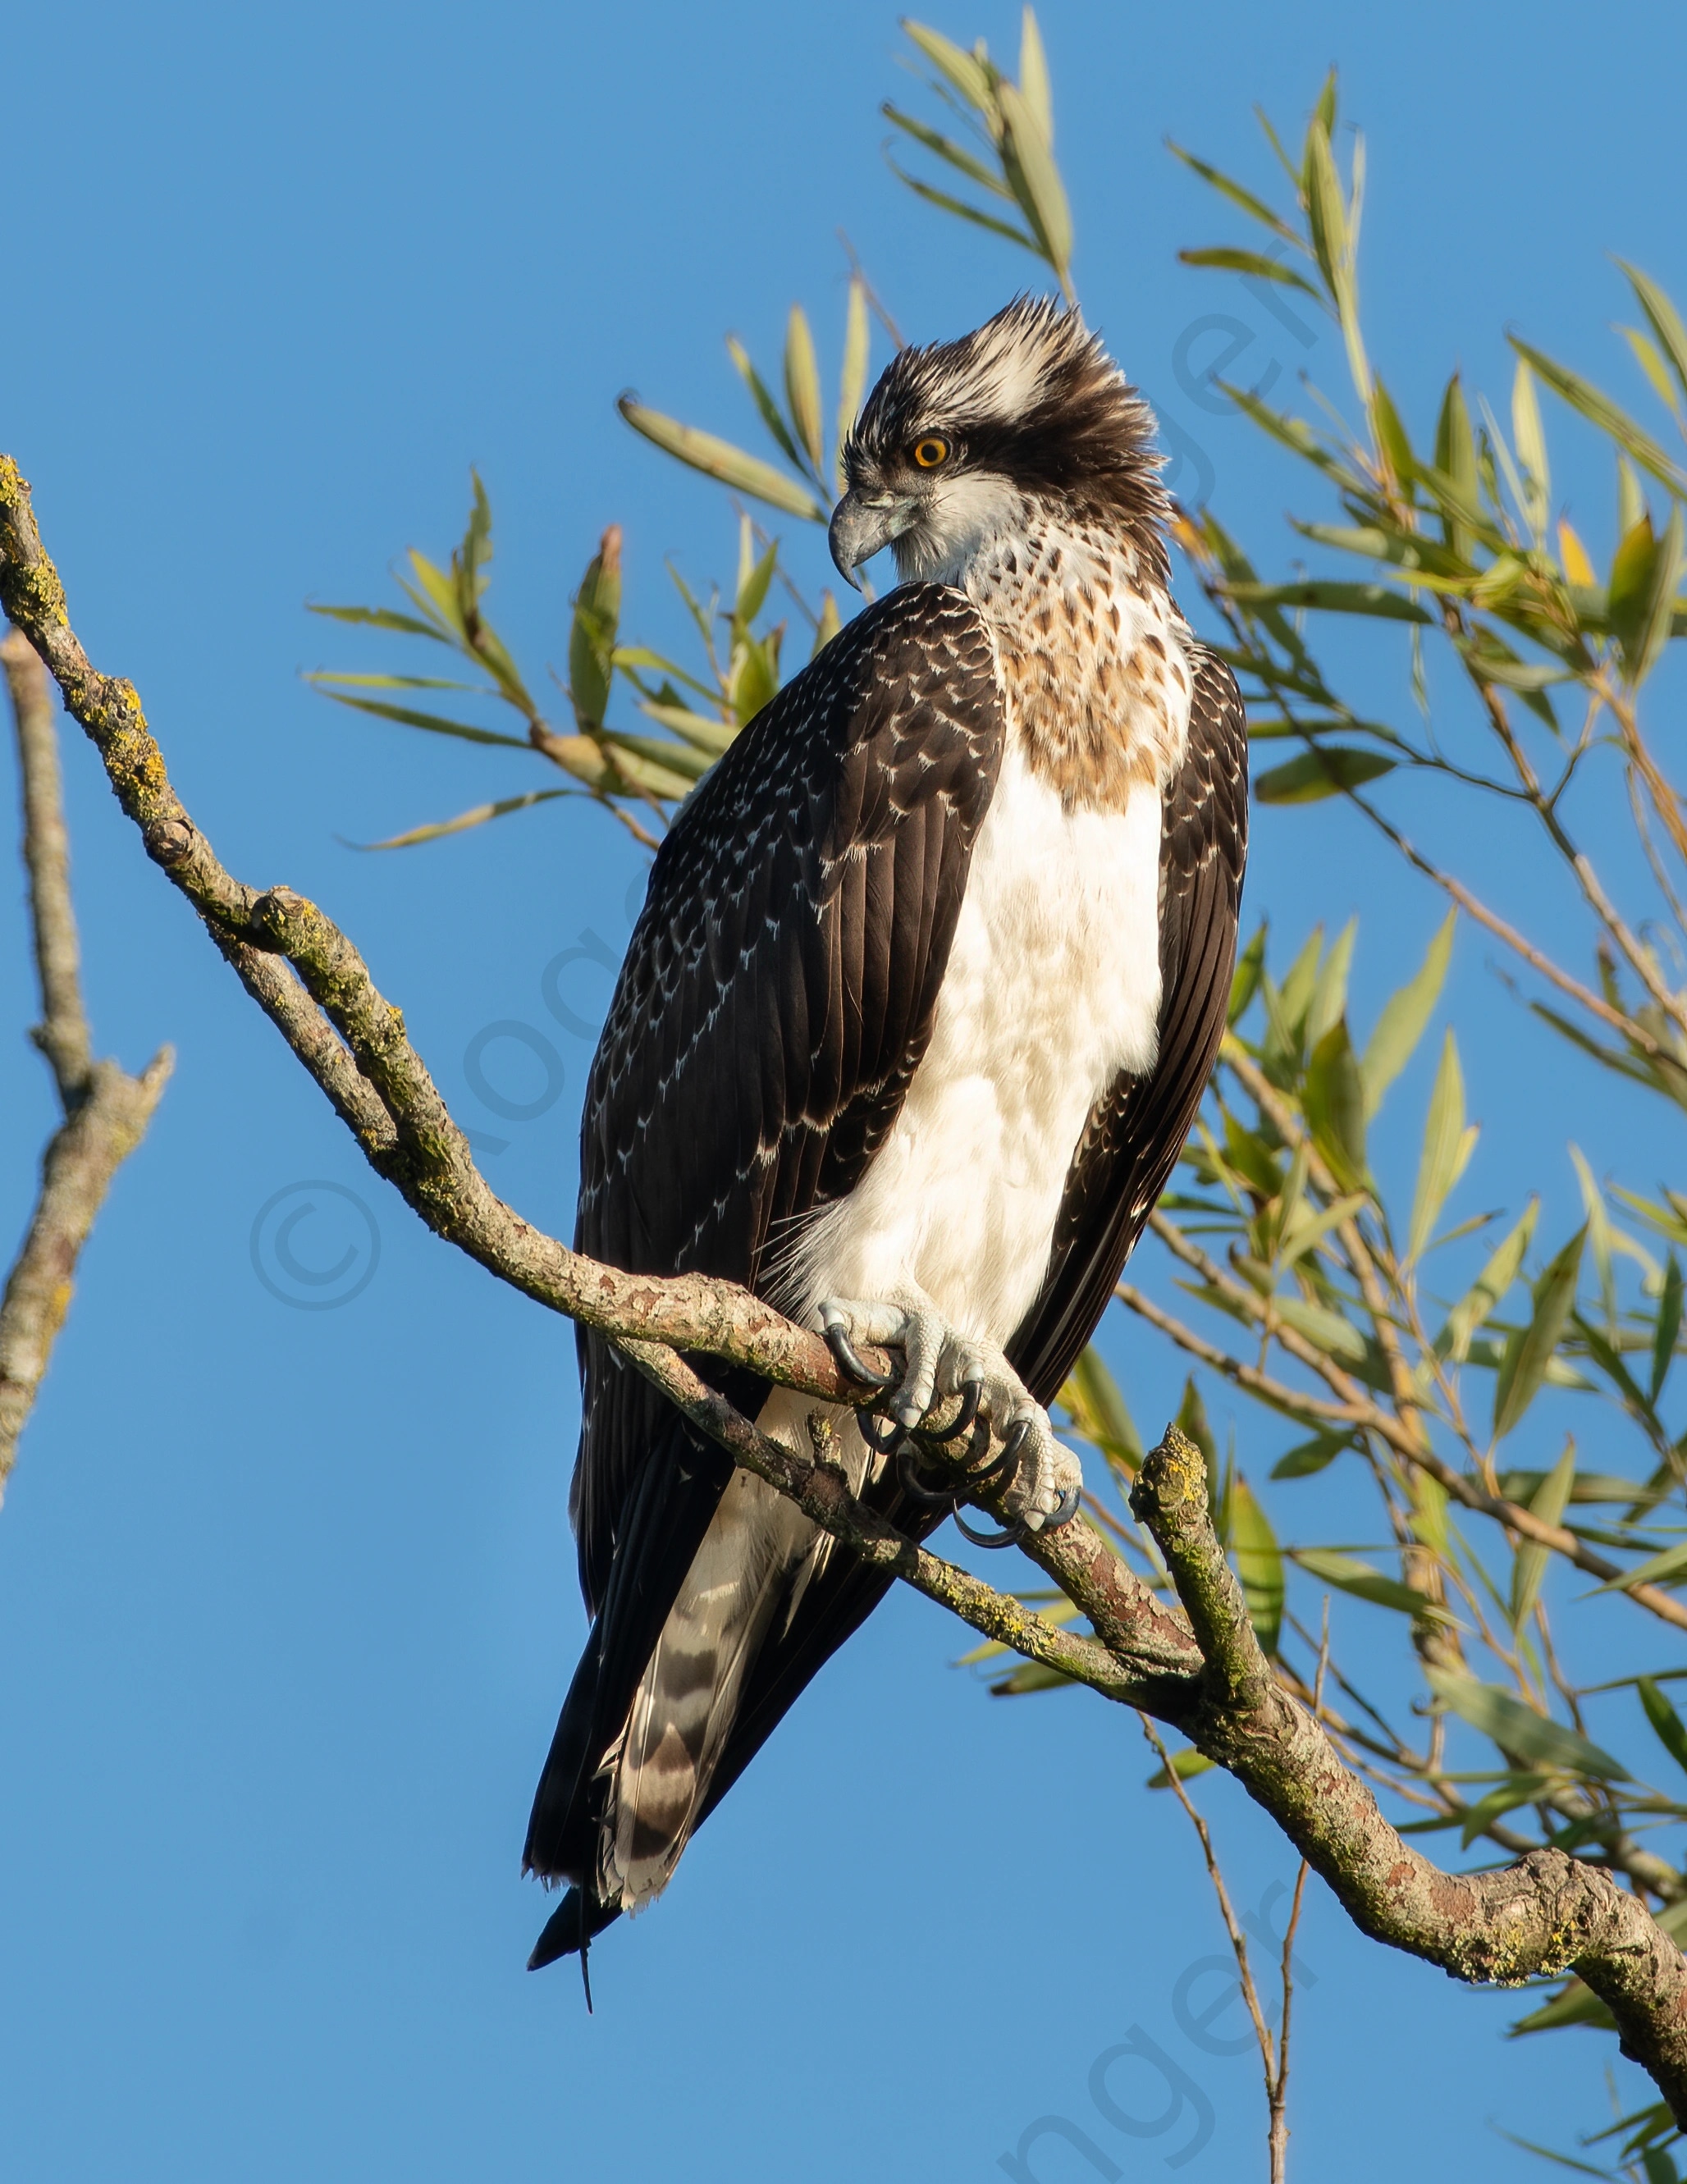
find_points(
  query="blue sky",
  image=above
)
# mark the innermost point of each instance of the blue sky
(286, 1597)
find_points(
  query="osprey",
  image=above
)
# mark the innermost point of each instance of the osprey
(931, 972)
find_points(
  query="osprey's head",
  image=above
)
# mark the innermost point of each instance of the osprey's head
(1027, 419)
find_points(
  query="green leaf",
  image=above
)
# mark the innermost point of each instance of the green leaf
(1245, 980)
(1185, 1764)
(1530, 441)
(765, 406)
(853, 379)
(1332, 598)
(383, 618)
(1404, 1017)
(1334, 1101)
(758, 582)
(1529, 1563)
(1391, 434)
(962, 210)
(1192, 1420)
(1328, 1004)
(1245, 200)
(968, 74)
(1485, 1292)
(1575, 2005)
(1349, 1574)
(705, 730)
(1669, 1567)
(802, 384)
(1672, 1733)
(1530, 1350)
(1320, 772)
(436, 724)
(1599, 410)
(1096, 1406)
(1643, 617)
(1518, 1729)
(1667, 1329)
(1448, 1144)
(946, 150)
(1028, 162)
(827, 626)
(684, 762)
(1665, 319)
(1259, 1562)
(1254, 263)
(1033, 76)
(1455, 460)
(719, 458)
(1516, 1789)
(1311, 1457)
(477, 816)
(592, 633)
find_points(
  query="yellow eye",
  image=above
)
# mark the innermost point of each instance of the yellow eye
(931, 451)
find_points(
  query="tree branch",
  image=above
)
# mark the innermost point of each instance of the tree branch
(1547, 1914)
(106, 1111)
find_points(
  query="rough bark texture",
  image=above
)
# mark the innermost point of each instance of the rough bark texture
(106, 1111)
(1202, 1671)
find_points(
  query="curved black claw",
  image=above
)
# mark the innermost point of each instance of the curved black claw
(884, 1436)
(938, 1497)
(847, 1362)
(1011, 1537)
(1065, 1509)
(972, 1395)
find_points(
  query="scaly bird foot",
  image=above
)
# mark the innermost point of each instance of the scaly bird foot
(939, 1362)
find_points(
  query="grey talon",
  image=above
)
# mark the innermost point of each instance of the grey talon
(942, 1497)
(894, 1433)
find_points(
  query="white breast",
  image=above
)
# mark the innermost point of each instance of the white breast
(1052, 989)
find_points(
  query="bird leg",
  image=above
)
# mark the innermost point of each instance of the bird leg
(940, 1362)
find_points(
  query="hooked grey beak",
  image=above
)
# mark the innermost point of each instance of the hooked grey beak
(863, 522)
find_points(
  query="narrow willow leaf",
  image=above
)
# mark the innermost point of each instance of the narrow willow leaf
(1224, 259)
(946, 150)
(1308, 1229)
(1456, 460)
(754, 584)
(1599, 410)
(1577, 567)
(1259, 1563)
(1331, 598)
(1328, 1329)
(685, 760)
(1668, 1330)
(1349, 1574)
(435, 723)
(1668, 1567)
(1391, 435)
(1672, 1734)
(1328, 1004)
(966, 73)
(1631, 501)
(592, 633)
(383, 618)
(1448, 1144)
(1033, 76)
(1530, 1350)
(1485, 1292)
(1516, 1789)
(853, 378)
(1319, 773)
(439, 593)
(707, 731)
(1335, 1106)
(1193, 1421)
(1657, 622)
(476, 816)
(1309, 1457)
(1326, 208)
(1404, 1017)
(1645, 354)
(1575, 2004)
(1530, 442)
(1429, 1514)
(802, 384)
(1185, 1765)
(328, 677)
(1301, 982)
(1528, 1562)
(962, 210)
(1518, 1729)
(1028, 163)
(1245, 980)
(1096, 1406)
(767, 407)
(1245, 200)
(719, 458)
(1663, 317)
(827, 626)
